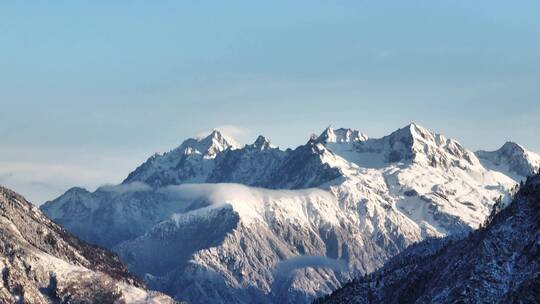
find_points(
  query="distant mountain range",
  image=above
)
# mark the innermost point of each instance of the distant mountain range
(499, 263)
(213, 222)
(42, 263)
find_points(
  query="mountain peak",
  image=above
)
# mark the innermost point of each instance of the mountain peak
(416, 131)
(511, 158)
(313, 139)
(261, 143)
(341, 135)
(219, 137)
(191, 154)
(413, 124)
(210, 145)
(216, 134)
(511, 146)
(420, 144)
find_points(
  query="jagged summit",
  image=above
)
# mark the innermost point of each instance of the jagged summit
(261, 143)
(208, 146)
(341, 135)
(313, 139)
(191, 161)
(426, 147)
(215, 159)
(410, 144)
(413, 132)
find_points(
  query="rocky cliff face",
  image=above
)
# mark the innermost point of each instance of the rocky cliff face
(42, 263)
(213, 222)
(499, 263)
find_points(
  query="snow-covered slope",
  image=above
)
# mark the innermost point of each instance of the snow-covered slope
(205, 226)
(41, 263)
(511, 159)
(496, 264)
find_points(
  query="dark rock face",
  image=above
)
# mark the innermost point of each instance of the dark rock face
(499, 263)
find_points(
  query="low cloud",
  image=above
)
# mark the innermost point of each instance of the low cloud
(251, 202)
(228, 192)
(214, 193)
(126, 188)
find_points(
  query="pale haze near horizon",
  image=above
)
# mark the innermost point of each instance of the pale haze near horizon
(89, 90)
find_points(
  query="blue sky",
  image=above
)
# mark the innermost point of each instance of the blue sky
(89, 89)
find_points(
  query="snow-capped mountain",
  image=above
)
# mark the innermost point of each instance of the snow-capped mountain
(190, 162)
(496, 264)
(341, 135)
(214, 222)
(512, 159)
(42, 263)
(215, 159)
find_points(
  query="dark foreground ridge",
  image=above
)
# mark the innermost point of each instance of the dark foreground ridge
(42, 263)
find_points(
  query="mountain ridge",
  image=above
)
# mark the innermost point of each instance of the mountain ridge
(381, 195)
